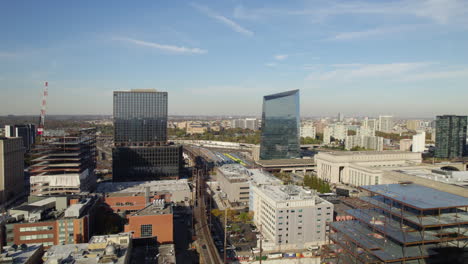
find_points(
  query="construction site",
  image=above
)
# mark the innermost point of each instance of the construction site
(409, 224)
(64, 162)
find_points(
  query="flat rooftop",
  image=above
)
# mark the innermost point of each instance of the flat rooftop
(153, 209)
(21, 255)
(235, 172)
(286, 162)
(354, 153)
(281, 193)
(418, 196)
(140, 186)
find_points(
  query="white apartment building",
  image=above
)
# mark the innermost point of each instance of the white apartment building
(338, 131)
(367, 142)
(308, 130)
(386, 124)
(419, 142)
(369, 123)
(290, 217)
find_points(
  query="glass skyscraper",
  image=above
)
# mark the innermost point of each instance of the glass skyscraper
(140, 117)
(280, 126)
(451, 136)
(140, 129)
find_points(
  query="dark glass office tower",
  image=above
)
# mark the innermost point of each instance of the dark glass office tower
(140, 126)
(140, 117)
(450, 136)
(280, 126)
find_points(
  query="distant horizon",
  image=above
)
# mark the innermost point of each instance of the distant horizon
(222, 116)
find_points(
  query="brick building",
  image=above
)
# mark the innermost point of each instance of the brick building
(52, 221)
(155, 220)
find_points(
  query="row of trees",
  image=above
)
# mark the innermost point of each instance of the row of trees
(316, 183)
(229, 135)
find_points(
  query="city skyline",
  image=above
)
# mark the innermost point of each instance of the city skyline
(405, 58)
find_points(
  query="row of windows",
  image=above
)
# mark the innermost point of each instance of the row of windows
(124, 204)
(34, 237)
(35, 228)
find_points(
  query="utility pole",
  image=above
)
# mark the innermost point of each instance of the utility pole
(261, 239)
(225, 233)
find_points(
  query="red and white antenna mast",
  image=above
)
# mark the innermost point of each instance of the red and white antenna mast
(40, 129)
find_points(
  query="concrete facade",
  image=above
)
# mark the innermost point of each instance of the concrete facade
(349, 167)
(233, 180)
(290, 216)
(11, 169)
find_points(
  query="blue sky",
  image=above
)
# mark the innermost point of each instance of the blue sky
(407, 58)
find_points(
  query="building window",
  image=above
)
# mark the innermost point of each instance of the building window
(146, 230)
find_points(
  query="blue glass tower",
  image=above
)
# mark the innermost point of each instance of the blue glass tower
(280, 126)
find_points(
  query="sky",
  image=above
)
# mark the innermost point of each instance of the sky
(360, 58)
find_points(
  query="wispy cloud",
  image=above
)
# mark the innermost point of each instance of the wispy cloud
(373, 32)
(365, 71)
(163, 47)
(271, 64)
(281, 57)
(224, 20)
(438, 11)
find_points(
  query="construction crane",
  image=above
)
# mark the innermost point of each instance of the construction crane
(40, 128)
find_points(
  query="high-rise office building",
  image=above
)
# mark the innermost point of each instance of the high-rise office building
(141, 151)
(450, 136)
(11, 169)
(385, 124)
(280, 126)
(26, 132)
(140, 117)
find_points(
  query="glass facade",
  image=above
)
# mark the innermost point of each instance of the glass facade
(146, 163)
(280, 126)
(140, 117)
(451, 136)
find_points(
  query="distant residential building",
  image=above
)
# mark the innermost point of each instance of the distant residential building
(338, 131)
(451, 133)
(419, 142)
(280, 138)
(340, 117)
(52, 221)
(291, 216)
(26, 132)
(327, 133)
(182, 125)
(155, 220)
(319, 126)
(385, 124)
(414, 125)
(11, 169)
(405, 144)
(366, 142)
(371, 124)
(308, 130)
(245, 123)
(64, 164)
(365, 131)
